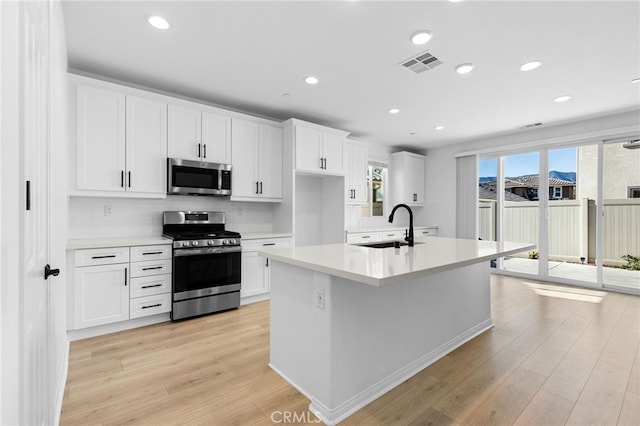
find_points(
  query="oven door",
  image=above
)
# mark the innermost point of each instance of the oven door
(206, 271)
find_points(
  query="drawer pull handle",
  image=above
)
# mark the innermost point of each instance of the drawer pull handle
(389, 235)
(366, 236)
(152, 306)
(151, 252)
(104, 257)
(151, 286)
(151, 268)
(269, 244)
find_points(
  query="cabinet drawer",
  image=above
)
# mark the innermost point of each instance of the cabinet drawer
(143, 253)
(149, 305)
(105, 256)
(392, 235)
(254, 245)
(425, 233)
(150, 267)
(148, 286)
(368, 237)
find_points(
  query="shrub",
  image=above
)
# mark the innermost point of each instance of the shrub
(633, 263)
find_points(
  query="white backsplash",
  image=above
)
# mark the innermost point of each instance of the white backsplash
(133, 217)
(353, 218)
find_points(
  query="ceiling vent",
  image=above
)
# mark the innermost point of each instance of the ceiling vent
(422, 62)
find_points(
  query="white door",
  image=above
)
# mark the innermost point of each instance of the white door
(308, 149)
(101, 295)
(185, 131)
(414, 179)
(333, 146)
(35, 397)
(146, 145)
(101, 139)
(270, 161)
(245, 182)
(358, 173)
(216, 138)
(253, 274)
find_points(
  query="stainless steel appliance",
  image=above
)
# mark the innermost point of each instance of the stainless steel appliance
(186, 177)
(206, 263)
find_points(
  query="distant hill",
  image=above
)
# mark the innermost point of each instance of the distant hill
(568, 176)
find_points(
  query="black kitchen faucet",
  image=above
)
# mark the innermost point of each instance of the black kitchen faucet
(408, 238)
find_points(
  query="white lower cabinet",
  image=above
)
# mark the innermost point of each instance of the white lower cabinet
(120, 283)
(255, 268)
(101, 294)
(363, 237)
(422, 234)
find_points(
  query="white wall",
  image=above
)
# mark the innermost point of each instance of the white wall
(440, 175)
(143, 217)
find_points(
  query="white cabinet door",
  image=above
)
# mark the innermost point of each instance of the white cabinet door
(185, 131)
(308, 149)
(100, 139)
(146, 141)
(253, 274)
(101, 295)
(332, 152)
(270, 161)
(407, 178)
(414, 176)
(245, 182)
(356, 163)
(216, 138)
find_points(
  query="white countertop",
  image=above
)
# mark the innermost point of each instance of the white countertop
(379, 267)
(386, 228)
(261, 235)
(89, 243)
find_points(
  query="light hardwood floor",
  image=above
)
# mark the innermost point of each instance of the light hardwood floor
(548, 361)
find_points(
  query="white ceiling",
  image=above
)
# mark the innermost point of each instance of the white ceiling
(247, 55)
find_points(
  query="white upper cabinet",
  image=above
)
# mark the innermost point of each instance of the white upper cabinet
(407, 178)
(356, 163)
(318, 149)
(100, 139)
(146, 142)
(198, 134)
(257, 161)
(121, 142)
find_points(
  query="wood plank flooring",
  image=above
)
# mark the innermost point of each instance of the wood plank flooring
(548, 361)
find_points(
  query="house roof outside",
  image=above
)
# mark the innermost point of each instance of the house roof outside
(489, 193)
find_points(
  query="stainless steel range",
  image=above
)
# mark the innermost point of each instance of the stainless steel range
(206, 263)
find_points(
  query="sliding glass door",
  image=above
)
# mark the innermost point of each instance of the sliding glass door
(580, 205)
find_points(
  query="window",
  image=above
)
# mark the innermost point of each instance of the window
(634, 192)
(376, 175)
(555, 193)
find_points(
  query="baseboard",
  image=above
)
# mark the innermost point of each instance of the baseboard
(85, 333)
(61, 384)
(254, 299)
(332, 416)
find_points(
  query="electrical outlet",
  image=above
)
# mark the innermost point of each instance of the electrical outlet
(108, 210)
(318, 298)
(240, 211)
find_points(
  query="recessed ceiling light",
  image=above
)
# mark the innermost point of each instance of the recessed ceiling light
(439, 127)
(562, 98)
(421, 37)
(158, 22)
(636, 80)
(311, 80)
(393, 111)
(528, 66)
(455, 1)
(464, 68)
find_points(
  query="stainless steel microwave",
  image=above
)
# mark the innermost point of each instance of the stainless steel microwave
(186, 177)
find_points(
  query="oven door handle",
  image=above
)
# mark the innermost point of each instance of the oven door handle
(206, 250)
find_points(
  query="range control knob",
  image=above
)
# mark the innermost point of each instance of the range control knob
(195, 243)
(210, 242)
(225, 242)
(186, 243)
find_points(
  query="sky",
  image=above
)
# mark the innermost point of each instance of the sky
(561, 160)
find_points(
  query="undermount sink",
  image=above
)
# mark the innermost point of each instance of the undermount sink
(385, 244)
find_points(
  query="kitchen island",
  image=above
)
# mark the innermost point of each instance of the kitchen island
(349, 323)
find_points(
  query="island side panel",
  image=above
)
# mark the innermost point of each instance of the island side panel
(299, 332)
(381, 336)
